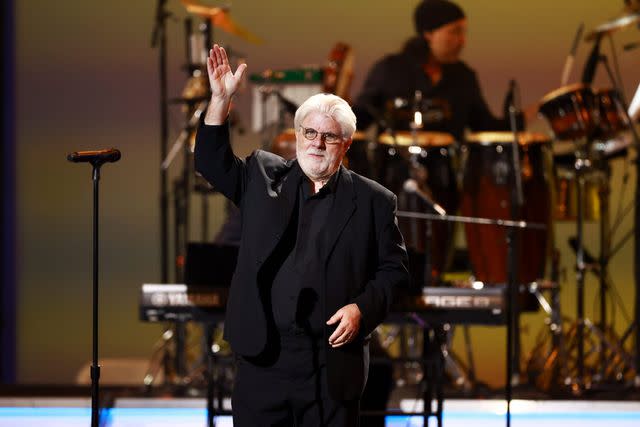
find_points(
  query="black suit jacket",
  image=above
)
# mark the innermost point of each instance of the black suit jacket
(365, 259)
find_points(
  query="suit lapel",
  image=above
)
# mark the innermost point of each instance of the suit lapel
(343, 208)
(289, 195)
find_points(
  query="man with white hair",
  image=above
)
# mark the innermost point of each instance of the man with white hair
(320, 257)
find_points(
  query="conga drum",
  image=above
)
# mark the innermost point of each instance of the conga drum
(488, 181)
(427, 158)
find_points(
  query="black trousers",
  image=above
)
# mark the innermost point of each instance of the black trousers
(292, 391)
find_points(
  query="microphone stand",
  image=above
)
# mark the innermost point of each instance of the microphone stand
(95, 368)
(159, 40)
(513, 314)
(510, 224)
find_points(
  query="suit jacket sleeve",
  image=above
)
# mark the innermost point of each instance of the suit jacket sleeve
(391, 272)
(216, 162)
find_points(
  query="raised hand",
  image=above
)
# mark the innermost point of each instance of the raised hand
(224, 84)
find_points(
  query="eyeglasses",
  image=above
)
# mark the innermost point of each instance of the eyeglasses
(327, 137)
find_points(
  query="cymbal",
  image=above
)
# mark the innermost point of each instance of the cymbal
(220, 18)
(613, 25)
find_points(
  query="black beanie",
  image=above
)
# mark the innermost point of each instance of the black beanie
(432, 14)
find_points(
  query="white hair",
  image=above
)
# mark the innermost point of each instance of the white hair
(331, 105)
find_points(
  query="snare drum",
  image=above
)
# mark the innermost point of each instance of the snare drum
(486, 192)
(428, 158)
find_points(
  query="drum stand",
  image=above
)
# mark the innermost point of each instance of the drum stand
(582, 166)
(609, 359)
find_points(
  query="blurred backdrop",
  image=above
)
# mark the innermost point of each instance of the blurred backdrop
(87, 78)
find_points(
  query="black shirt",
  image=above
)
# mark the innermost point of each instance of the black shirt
(297, 292)
(451, 105)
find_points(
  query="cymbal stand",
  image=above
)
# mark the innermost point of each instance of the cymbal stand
(183, 185)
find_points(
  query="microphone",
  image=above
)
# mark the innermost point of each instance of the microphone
(511, 99)
(110, 155)
(411, 186)
(568, 64)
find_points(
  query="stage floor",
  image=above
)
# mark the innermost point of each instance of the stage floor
(160, 412)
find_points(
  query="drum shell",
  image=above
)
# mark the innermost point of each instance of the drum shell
(434, 170)
(571, 111)
(487, 192)
(611, 119)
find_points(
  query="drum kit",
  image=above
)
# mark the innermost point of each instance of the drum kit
(564, 177)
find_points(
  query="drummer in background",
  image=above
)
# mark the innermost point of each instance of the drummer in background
(430, 63)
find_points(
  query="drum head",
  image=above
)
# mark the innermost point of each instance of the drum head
(416, 138)
(571, 111)
(524, 138)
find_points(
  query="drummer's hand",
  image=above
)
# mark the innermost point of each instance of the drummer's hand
(224, 84)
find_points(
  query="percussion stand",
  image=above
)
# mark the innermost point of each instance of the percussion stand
(623, 108)
(605, 253)
(581, 165)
